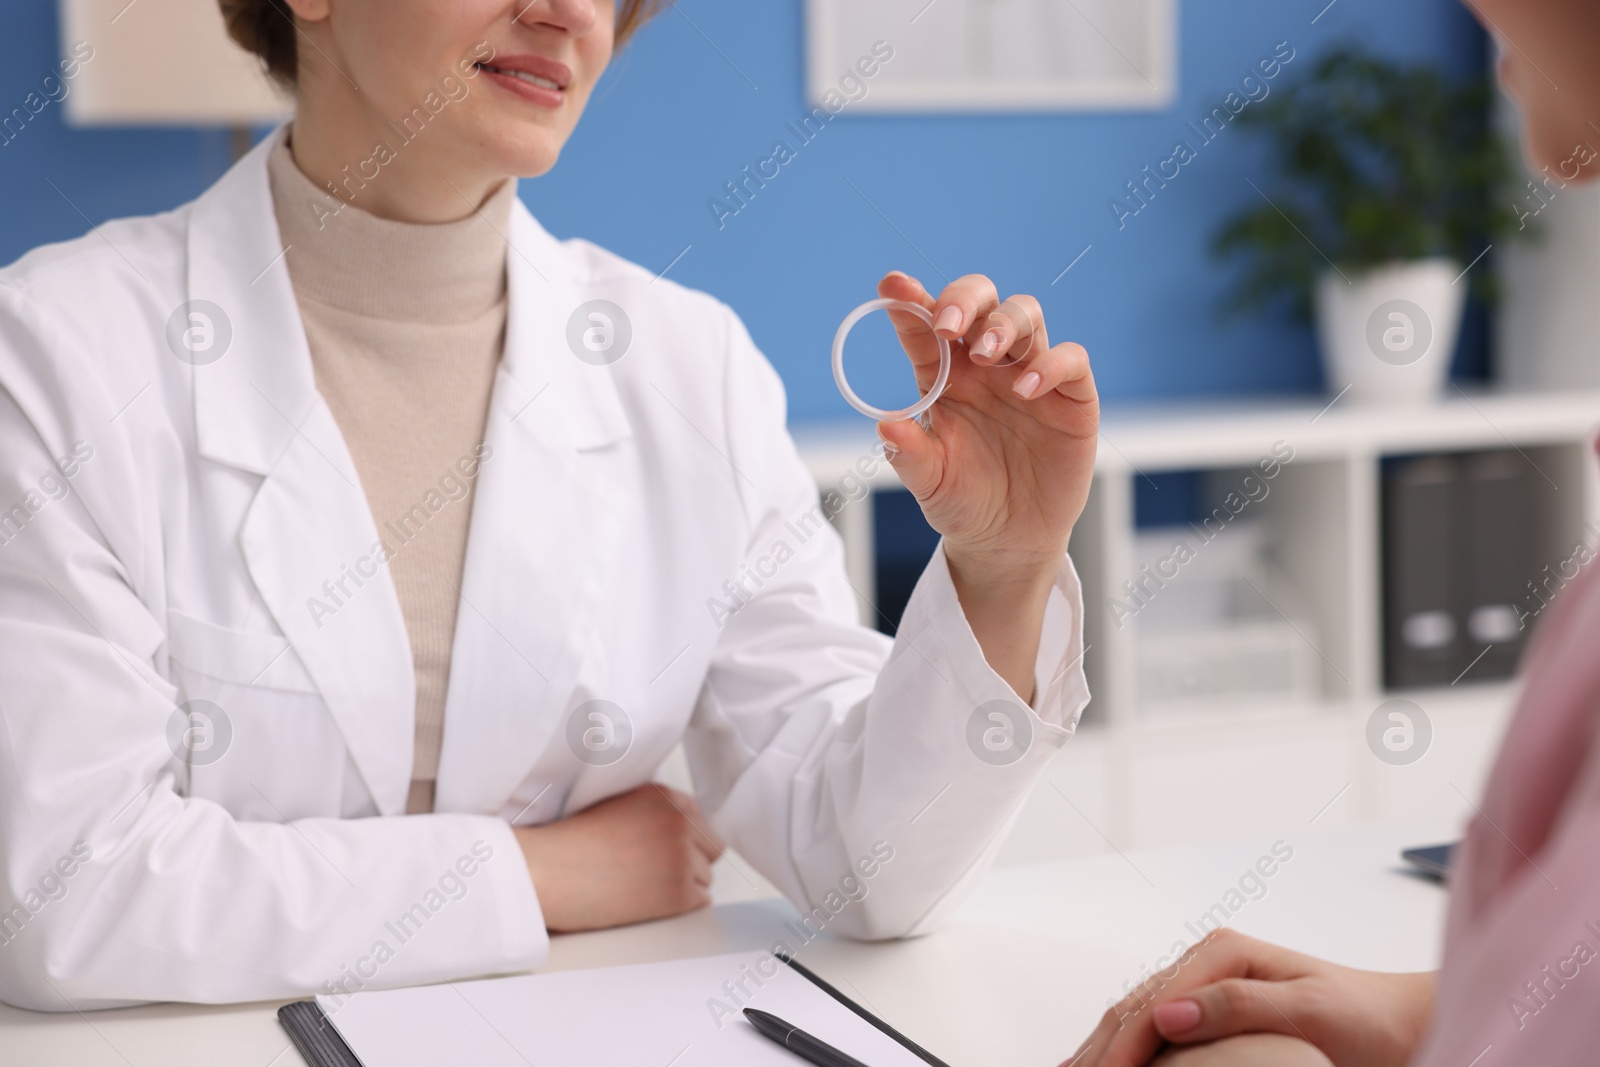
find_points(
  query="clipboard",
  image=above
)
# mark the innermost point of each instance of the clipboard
(320, 1043)
(815, 979)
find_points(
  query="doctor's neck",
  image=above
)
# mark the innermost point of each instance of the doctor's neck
(371, 168)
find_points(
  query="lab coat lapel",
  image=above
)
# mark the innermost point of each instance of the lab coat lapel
(308, 537)
(549, 508)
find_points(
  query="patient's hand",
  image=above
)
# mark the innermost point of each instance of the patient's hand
(1230, 984)
(1250, 1050)
(645, 854)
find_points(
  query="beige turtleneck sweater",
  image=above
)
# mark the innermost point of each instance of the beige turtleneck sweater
(405, 323)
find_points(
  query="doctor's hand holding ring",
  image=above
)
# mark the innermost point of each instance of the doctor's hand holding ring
(1003, 468)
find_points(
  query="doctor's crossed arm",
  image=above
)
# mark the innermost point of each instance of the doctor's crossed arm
(644, 854)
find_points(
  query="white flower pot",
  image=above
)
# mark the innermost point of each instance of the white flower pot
(1389, 334)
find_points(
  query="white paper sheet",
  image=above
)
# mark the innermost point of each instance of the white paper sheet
(654, 1014)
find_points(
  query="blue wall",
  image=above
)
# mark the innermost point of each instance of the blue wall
(1017, 197)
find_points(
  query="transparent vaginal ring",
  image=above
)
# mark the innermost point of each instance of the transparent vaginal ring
(850, 320)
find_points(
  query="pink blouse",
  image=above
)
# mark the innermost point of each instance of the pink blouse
(1520, 982)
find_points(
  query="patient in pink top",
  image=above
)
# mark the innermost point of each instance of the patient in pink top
(1520, 982)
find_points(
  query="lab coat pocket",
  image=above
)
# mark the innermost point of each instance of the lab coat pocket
(255, 734)
(245, 657)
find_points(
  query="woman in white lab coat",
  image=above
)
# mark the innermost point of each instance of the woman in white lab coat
(208, 693)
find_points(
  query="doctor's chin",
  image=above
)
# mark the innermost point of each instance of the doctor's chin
(584, 531)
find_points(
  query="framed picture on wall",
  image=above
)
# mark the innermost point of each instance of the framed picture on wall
(991, 55)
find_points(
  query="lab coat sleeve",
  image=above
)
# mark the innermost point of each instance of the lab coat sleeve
(871, 781)
(114, 888)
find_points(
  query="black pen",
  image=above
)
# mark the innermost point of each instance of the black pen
(798, 1041)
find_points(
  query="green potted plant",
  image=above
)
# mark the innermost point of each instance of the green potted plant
(1385, 200)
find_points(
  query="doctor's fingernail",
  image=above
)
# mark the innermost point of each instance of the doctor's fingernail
(949, 320)
(1026, 384)
(1177, 1016)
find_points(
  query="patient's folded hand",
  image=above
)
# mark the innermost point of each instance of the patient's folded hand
(1250, 1050)
(1230, 984)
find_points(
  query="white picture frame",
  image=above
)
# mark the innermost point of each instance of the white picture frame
(991, 55)
(161, 63)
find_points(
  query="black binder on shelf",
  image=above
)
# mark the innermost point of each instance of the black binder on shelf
(1501, 492)
(1460, 544)
(1422, 551)
(321, 1046)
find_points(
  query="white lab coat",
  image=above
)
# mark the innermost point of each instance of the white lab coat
(208, 505)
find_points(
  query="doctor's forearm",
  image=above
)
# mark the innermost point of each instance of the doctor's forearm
(1005, 609)
(644, 854)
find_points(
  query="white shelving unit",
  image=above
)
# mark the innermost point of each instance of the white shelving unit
(1134, 777)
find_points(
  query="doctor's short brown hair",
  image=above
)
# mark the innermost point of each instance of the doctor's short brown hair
(266, 28)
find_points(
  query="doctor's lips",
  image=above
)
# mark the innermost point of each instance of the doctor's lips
(543, 81)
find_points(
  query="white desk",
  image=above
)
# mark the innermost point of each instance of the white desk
(1018, 977)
